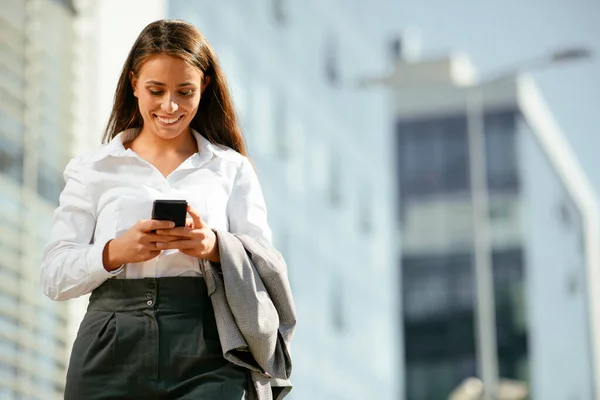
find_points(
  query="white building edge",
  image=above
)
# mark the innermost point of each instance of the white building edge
(552, 141)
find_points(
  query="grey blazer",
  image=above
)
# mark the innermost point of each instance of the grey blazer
(254, 310)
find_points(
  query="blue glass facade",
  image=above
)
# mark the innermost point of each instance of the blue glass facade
(322, 154)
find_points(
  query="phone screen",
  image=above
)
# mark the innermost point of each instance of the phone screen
(170, 210)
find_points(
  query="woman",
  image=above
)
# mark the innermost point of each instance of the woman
(150, 329)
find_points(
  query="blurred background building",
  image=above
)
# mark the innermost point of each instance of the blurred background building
(438, 284)
(36, 116)
(540, 259)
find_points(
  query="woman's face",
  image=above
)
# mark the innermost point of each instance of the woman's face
(168, 92)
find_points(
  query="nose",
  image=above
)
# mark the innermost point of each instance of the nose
(169, 105)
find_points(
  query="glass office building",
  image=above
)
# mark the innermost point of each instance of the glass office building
(539, 257)
(322, 154)
(35, 126)
(437, 263)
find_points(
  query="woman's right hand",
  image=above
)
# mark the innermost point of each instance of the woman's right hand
(138, 244)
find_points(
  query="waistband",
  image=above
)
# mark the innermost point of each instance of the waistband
(167, 293)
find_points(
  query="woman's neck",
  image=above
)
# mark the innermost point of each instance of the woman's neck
(149, 143)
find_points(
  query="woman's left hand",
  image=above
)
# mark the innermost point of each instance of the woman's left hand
(197, 239)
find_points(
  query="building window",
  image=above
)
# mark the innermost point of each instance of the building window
(8, 324)
(338, 317)
(279, 11)
(434, 286)
(500, 133)
(332, 60)
(8, 348)
(12, 83)
(10, 254)
(43, 384)
(7, 371)
(433, 156)
(10, 126)
(320, 166)
(11, 159)
(9, 300)
(50, 182)
(327, 170)
(49, 339)
(565, 213)
(50, 141)
(335, 181)
(11, 206)
(439, 319)
(69, 4)
(431, 380)
(51, 320)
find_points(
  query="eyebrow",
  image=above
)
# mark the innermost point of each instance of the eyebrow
(157, 83)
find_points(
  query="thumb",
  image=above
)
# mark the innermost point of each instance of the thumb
(196, 219)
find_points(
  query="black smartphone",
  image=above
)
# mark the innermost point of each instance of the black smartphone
(170, 210)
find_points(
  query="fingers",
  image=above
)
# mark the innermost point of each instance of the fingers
(176, 244)
(180, 232)
(153, 238)
(196, 219)
(153, 224)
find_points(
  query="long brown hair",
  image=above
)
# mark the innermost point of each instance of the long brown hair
(215, 119)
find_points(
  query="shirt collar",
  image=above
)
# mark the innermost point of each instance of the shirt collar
(115, 148)
(206, 150)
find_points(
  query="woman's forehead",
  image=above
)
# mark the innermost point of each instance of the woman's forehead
(167, 69)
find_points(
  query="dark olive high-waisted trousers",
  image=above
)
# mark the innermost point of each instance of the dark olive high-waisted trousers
(151, 339)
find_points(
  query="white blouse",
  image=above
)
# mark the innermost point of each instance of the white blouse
(111, 188)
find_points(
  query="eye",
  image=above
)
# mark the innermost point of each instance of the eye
(155, 92)
(187, 93)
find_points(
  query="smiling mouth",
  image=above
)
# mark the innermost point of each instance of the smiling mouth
(168, 121)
